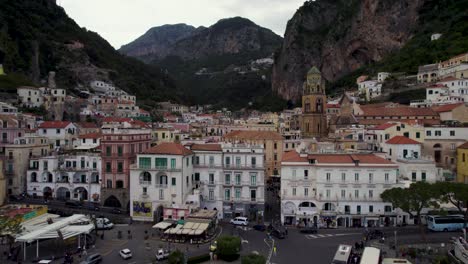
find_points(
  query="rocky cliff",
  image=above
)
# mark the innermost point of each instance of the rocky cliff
(340, 36)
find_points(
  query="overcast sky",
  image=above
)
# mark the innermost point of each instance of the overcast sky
(122, 21)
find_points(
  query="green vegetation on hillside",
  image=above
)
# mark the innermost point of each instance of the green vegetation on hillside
(448, 17)
(27, 24)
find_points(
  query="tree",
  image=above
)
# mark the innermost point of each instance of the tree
(454, 193)
(10, 226)
(412, 200)
(176, 257)
(228, 247)
(253, 259)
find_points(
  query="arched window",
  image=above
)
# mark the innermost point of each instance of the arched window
(319, 104)
(163, 180)
(145, 177)
(33, 177)
(307, 105)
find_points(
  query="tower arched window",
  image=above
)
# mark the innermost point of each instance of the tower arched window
(319, 105)
(307, 105)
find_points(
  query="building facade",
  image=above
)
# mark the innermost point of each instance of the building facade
(314, 101)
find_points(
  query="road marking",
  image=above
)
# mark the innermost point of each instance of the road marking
(329, 235)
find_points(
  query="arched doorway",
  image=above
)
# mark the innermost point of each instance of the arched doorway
(80, 193)
(112, 201)
(328, 207)
(63, 193)
(47, 192)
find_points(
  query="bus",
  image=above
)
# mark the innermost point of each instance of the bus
(445, 223)
(371, 255)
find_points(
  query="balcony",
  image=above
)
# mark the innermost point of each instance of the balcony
(156, 168)
(145, 182)
(162, 186)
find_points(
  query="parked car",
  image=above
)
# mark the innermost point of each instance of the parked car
(162, 254)
(259, 227)
(116, 211)
(309, 230)
(125, 253)
(104, 223)
(240, 220)
(92, 259)
(73, 204)
(92, 206)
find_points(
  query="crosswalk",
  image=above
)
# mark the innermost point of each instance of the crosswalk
(315, 236)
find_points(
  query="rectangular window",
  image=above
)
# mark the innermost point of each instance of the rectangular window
(238, 162)
(109, 184)
(173, 163)
(275, 146)
(371, 208)
(119, 166)
(211, 161)
(294, 191)
(343, 177)
(45, 165)
(108, 167)
(108, 151)
(227, 194)
(371, 194)
(428, 133)
(438, 133)
(452, 133)
(418, 134)
(356, 177)
(211, 178)
(453, 146)
(58, 130)
(186, 162)
(161, 194)
(174, 181)
(144, 163)
(356, 193)
(371, 177)
(119, 151)
(328, 177)
(160, 163)
(94, 165)
(306, 192)
(238, 179)
(413, 176)
(254, 162)
(238, 194)
(253, 179)
(306, 174)
(358, 209)
(423, 176)
(294, 174)
(388, 208)
(328, 193)
(228, 161)
(211, 194)
(387, 177)
(275, 157)
(343, 194)
(144, 190)
(227, 178)
(253, 195)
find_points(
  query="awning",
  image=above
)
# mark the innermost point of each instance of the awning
(162, 225)
(198, 232)
(186, 231)
(203, 227)
(168, 231)
(188, 225)
(195, 226)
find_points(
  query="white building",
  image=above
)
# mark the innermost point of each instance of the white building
(163, 181)
(401, 147)
(381, 76)
(65, 177)
(231, 178)
(87, 141)
(435, 36)
(59, 133)
(338, 189)
(6, 109)
(102, 87)
(30, 96)
(415, 170)
(370, 89)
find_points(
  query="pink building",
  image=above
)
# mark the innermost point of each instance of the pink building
(122, 139)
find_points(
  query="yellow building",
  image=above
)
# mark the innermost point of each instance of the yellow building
(389, 130)
(314, 119)
(272, 143)
(2, 72)
(159, 135)
(462, 163)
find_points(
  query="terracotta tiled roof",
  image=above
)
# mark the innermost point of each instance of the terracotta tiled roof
(435, 121)
(87, 125)
(90, 135)
(116, 120)
(349, 158)
(169, 149)
(401, 140)
(253, 135)
(293, 156)
(463, 146)
(139, 123)
(54, 124)
(206, 147)
(449, 79)
(437, 85)
(398, 111)
(446, 108)
(333, 106)
(377, 105)
(383, 126)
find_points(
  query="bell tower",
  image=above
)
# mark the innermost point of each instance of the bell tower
(314, 101)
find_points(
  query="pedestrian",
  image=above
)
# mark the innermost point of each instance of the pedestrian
(274, 250)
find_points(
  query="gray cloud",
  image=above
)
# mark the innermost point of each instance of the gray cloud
(121, 21)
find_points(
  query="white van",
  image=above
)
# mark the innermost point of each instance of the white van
(342, 254)
(371, 255)
(104, 223)
(240, 220)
